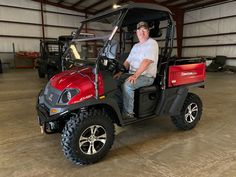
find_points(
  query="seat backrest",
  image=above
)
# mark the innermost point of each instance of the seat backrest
(220, 60)
(160, 70)
(128, 35)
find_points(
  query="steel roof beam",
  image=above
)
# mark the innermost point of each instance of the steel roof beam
(77, 3)
(93, 5)
(187, 3)
(110, 6)
(205, 4)
(60, 5)
(167, 2)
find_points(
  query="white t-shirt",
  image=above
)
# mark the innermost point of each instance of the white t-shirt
(140, 51)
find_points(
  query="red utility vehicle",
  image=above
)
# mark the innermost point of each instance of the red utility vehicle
(80, 104)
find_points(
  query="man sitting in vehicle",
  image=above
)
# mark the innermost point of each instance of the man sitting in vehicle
(142, 66)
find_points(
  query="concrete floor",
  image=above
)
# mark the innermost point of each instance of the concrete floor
(150, 148)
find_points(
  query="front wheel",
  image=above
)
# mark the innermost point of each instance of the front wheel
(41, 73)
(190, 113)
(88, 138)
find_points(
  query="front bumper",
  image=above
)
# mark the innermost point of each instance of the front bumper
(45, 113)
(44, 117)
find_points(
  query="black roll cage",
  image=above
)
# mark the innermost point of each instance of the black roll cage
(166, 15)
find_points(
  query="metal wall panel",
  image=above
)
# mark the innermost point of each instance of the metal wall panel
(20, 44)
(221, 19)
(23, 23)
(21, 15)
(20, 30)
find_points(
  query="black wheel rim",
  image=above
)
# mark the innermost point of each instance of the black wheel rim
(191, 112)
(92, 140)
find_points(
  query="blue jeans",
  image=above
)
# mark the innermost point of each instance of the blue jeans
(128, 92)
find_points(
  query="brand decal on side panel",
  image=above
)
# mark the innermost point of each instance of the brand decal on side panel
(188, 73)
(50, 97)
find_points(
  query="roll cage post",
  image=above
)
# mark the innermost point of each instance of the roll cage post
(168, 48)
(116, 27)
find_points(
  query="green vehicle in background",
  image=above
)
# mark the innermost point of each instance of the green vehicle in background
(50, 61)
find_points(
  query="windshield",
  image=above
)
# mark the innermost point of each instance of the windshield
(52, 49)
(92, 38)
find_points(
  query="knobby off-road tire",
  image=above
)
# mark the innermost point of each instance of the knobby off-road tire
(88, 138)
(40, 73)
(190, 113)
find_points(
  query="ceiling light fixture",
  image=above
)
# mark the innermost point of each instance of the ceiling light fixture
(115, 6)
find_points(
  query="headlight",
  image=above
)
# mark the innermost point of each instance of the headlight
(67, 95)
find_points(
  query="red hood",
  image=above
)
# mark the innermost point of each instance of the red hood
(81, 78)
(72, 78)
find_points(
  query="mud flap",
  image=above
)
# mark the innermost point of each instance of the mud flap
(171, 101)
(178, 102)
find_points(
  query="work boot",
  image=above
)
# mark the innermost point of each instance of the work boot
(127, 116)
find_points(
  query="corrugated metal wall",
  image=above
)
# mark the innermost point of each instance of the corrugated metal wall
(207, 31)
(20, 23)
(211, 31)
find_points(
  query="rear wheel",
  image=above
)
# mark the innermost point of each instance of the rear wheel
(87, 139)
(190, 113)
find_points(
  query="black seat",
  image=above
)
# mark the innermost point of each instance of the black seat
(146, 97)
(151, 88)
(145, 100)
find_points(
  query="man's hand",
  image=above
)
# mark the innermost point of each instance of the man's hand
(132, 79)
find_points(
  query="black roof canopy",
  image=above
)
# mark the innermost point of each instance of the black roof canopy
(136, 12)
(136, 15)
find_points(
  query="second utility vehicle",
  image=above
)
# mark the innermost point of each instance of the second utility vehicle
(51, 51)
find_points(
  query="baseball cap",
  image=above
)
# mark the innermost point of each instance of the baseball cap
(142, 24)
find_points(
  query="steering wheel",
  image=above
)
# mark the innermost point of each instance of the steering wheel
(122, 68)
(115, 66)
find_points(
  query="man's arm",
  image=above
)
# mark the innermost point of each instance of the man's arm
(126, 64)
(143, 66)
